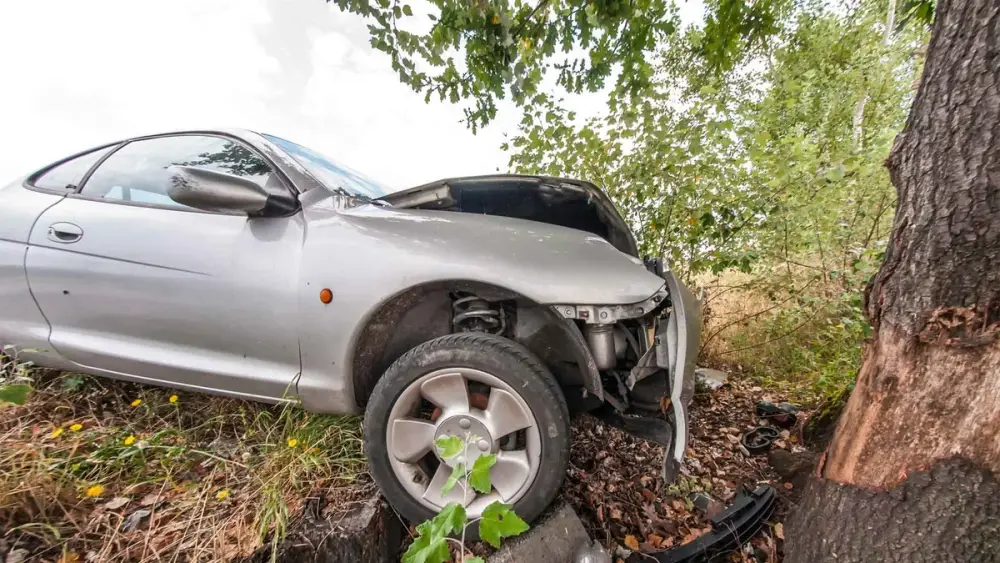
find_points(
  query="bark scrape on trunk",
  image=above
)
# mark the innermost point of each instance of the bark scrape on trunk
(915, 404)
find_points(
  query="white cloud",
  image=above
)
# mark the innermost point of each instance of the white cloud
(81, 73)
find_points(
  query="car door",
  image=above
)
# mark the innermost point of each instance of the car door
(138, 286)
(22, 325)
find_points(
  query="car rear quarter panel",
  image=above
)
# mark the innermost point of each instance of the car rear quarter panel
(367, 255)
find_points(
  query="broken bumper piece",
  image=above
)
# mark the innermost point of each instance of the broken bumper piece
(731, 529)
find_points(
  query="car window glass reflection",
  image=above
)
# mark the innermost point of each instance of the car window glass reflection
(139, 171)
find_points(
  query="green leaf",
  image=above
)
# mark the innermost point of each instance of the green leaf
(407, 10)
(451, 519)
(449, 446)
(835, 174)
(479, 477)
(457, 473)
(16, 394)
(431, 545)
(476, 559)
(427, 549)
(499, 521)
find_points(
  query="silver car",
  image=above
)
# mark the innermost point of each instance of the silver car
(232, 262)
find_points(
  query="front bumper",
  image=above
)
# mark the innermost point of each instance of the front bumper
(665, 371)
(683, 335)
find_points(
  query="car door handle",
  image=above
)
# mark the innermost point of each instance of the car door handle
(65, 233)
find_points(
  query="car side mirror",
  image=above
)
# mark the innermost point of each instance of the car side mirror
(210, 190)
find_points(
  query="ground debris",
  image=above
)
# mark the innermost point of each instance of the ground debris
(614, 481)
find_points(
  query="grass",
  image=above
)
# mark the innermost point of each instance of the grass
(98, 470)
(805, 343)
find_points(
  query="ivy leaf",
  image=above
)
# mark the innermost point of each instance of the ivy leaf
(499, 521)
(449, 446)
(15, 394)
(457, 473)
(479, 477)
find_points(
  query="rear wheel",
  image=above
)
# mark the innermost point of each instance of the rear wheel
(477, 385)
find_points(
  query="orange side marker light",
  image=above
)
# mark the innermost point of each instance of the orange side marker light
(326, 296)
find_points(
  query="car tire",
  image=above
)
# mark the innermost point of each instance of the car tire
(507, 361)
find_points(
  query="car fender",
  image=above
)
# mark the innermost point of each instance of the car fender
(366, 255)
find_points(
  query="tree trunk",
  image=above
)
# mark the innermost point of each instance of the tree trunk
(912, 472)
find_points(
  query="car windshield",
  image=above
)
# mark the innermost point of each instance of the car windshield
(331, 173)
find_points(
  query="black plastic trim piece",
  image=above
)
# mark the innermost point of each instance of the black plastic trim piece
(731, 528)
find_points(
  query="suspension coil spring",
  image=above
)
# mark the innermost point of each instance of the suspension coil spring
(474, 314)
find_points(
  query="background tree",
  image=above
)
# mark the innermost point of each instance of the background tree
(763, 184)
(485, 50)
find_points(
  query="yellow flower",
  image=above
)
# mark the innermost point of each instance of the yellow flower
(292, 442)
(129, 441)
(136, 402)
(496, 20)
(56, 433)
(95, 491)
(173, 398)
(76, 427)
(222, 495)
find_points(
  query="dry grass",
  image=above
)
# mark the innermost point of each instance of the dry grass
(801, 338)
(98, 470)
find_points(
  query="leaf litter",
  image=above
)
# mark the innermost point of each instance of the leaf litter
(614, 483)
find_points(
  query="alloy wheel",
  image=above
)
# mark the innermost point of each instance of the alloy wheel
(477, 407)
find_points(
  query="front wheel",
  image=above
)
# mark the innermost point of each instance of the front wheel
(481, 387)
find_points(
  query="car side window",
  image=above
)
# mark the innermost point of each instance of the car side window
(138, 172)
(67, 176)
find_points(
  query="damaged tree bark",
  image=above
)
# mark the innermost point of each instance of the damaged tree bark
(912, 472)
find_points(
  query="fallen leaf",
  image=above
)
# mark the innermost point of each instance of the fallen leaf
(117, 503)
(655, 541)
(616, 514)
(648, 495)
(713, 509)
(694, 534)
(788, 486)
(631, 542)
(779, 531)
(151, 498)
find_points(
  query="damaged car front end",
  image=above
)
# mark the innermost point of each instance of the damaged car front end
(637, 359)
(645, 355)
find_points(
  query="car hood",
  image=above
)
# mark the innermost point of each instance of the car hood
(547, 263)
(557, 201)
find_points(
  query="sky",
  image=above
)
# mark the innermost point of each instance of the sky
(77, 74)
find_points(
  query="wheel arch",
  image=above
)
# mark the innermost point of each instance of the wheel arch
(423, 312)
